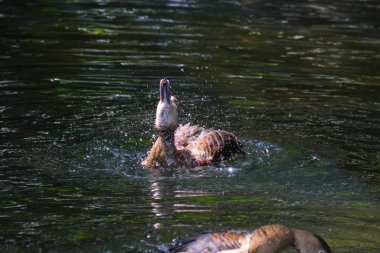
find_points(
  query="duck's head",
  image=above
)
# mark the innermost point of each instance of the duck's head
(167, 110)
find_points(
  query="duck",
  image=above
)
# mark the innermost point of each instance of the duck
(266, 239)
(186, 145)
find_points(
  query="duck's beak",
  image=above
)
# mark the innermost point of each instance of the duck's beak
(165, 91)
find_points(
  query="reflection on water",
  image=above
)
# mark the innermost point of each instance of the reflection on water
(297, 81)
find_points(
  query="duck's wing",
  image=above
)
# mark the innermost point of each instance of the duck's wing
(186, 134)
(214, 145)
(271, 238)
(224, 242)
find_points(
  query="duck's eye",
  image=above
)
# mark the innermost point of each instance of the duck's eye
(321, 251)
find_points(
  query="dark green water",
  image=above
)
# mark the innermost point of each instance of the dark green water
(297, 81)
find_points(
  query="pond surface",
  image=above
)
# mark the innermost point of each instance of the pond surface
(297, 81)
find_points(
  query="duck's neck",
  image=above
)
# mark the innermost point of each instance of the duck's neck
(275, 238)
(173, 157)
(303, 239)
(298, 238)
(168, 137)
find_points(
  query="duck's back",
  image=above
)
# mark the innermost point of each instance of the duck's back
(206, 144)
(186, 134)
(214, 243)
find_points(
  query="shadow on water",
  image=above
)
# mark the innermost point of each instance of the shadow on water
(296, 81)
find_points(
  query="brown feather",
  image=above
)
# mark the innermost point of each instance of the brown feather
(266, 239)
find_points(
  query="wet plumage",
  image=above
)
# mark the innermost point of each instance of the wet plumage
(213, 242)
(266, 239)
(186, 145)
(206, 144)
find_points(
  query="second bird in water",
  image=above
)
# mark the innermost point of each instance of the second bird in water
(266, 239)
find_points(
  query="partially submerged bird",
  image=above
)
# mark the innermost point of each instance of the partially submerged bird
(185, 145)
(266, 239)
